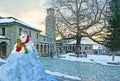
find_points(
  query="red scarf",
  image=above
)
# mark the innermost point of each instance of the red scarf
(21, 44)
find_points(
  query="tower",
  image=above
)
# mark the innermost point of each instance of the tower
(50, 25)
(50, 30)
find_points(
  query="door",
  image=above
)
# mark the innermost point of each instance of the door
(3, 46)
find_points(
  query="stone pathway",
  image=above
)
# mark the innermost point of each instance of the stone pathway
(82, 79)
(88, 79)
(89, 71)
(84, 70)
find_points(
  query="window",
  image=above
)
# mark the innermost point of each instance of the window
(3, 31)
(44, 39)
(20, 29)
(90, 48)
(86, 48)
(30, 33)
(37, 35)
(70, 47)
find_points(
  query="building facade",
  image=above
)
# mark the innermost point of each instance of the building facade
(66, 46)
(10, 29)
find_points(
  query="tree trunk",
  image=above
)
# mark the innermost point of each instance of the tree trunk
(78, 43)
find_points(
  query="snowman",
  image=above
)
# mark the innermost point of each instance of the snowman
(24, 38)
(23, 43)
(23, 63)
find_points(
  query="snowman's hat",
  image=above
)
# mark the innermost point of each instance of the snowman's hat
(24, 32)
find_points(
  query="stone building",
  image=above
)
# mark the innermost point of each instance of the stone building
(66, 46)
(50, 28)
(85, 46)
(10, 29)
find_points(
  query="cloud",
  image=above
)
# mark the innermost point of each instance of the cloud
(32, 12)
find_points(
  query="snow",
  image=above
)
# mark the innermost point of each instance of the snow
(82, 42)
(18, 21)
(1, 60)
(43, 35)
(98, 46)
(11, 19)
(85, 70)
(6, 20)
(101, 59)
(62, 75)
(20, 65)
(2, 36)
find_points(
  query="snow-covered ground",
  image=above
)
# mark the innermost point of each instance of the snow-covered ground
(101, 59)
(58, 74)
(2, 60)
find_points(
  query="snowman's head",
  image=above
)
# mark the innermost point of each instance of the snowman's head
(23, 36)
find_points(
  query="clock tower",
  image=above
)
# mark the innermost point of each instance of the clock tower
(50, 28)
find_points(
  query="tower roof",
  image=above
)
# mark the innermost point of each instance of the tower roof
(50, 9)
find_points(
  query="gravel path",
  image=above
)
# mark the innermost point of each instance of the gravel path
(87, 71)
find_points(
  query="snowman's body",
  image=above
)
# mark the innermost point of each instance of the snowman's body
(21, 66)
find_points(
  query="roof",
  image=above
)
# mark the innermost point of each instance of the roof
(82, 42)
(11, 20)
(98, 46)
(50, 9)
(43, 35)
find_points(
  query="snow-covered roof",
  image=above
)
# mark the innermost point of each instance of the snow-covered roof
(82, 42)
(98, 46)
(11, 19)
(45, 42)
(43, 35)
(95, 46)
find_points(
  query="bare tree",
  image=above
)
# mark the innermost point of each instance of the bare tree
(81, 18)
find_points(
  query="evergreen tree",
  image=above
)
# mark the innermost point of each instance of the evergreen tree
(113, 39)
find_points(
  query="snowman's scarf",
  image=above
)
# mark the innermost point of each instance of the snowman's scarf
(22, 44)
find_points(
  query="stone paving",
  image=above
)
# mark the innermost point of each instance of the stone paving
(66, 79)
(82, 79)
(86, 71)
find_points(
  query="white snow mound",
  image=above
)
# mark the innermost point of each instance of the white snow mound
(22, 66)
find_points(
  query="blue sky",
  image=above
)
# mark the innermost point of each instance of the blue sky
(32, 12)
